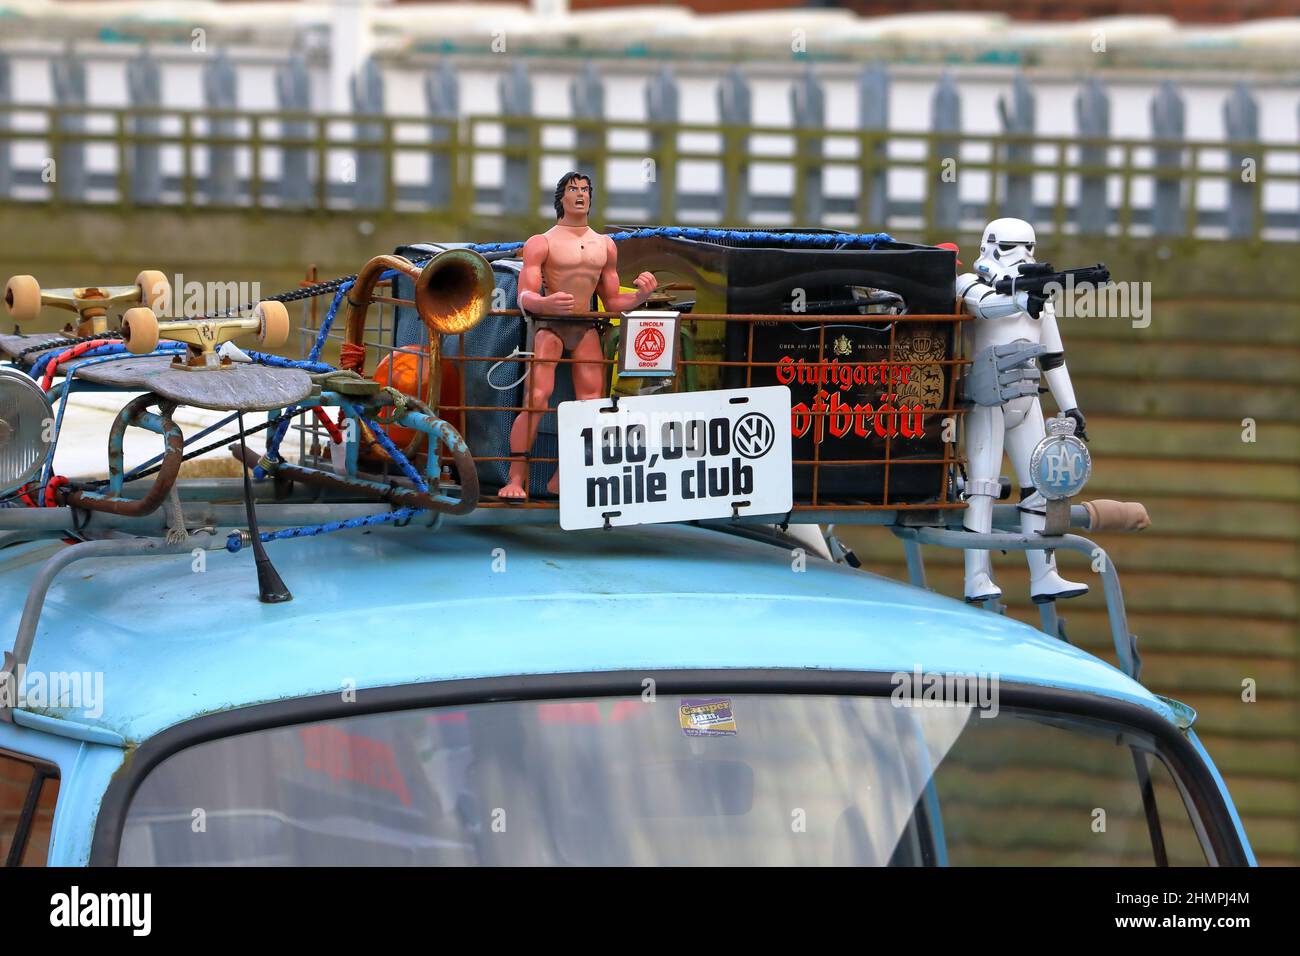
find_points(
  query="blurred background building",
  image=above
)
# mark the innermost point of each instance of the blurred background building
(244, 141)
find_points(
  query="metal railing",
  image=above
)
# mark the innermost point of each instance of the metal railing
(932, 183)
(702, 371)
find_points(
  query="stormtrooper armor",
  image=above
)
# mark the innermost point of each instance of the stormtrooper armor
(1003, 323)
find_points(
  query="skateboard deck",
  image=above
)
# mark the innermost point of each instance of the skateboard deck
(239, 387)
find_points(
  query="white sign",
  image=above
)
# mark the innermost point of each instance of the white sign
(647, 344)
(675, 457)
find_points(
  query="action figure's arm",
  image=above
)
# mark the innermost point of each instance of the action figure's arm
(982, 302)
(608, 286)
(1057, 376)
(530, 295)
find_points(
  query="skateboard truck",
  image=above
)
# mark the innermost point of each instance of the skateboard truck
(141, 331)
(24, 298)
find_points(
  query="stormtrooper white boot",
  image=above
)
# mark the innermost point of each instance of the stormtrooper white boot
(979, 565)
(1045, 585)
(979, 578)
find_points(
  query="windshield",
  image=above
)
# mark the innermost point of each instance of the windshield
(743, 779)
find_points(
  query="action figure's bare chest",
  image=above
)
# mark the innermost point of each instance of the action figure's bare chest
(569, 254)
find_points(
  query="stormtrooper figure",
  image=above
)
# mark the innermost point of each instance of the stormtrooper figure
(1008, 333)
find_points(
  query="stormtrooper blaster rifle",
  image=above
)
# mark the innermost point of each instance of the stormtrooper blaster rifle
(1038, 280)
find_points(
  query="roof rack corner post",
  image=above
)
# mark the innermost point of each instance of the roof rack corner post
(15, 659)
(915, 562)
(1130, 662)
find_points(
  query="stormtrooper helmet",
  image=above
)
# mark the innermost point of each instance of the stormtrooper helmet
(1005, 245)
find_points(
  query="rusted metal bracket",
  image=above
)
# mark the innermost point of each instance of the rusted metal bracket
(437, 430)
(393, 494)
(135, 413)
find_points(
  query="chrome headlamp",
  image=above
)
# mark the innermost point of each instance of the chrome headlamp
(25, 417)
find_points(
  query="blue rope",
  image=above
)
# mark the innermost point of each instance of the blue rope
(817, 240)
(485, 247)
(69, 372)
(319, 345)
(275, 361)
(273, 443)
(399, 459)
(234, 543)
(386, 443)
(313, 363)
(749, 236)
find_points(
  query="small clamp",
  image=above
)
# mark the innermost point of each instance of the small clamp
(80, 524)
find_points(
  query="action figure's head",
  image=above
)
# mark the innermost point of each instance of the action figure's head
(573, 195)
(1006, 245)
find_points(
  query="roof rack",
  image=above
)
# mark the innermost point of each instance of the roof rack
(905, 478)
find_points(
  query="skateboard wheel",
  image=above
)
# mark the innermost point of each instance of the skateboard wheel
(273, 330)
(23, 298)
(154, 288)
(140, 330)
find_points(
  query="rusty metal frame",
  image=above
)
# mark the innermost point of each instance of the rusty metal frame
(373, 329)
(135, 413)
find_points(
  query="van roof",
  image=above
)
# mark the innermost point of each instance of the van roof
(400, 606)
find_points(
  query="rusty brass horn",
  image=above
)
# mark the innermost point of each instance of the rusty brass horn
(453, 292)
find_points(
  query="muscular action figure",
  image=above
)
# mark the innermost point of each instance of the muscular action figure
(570, 261)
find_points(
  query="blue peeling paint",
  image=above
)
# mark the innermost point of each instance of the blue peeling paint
(398, 606)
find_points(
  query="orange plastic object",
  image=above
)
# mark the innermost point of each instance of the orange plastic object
(407, 370)
(449, 394)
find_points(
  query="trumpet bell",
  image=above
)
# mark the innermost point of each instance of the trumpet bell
(453, 292)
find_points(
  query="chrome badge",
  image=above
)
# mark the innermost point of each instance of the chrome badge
(1060, 464)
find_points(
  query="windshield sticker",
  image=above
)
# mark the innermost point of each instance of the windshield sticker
(708, 717)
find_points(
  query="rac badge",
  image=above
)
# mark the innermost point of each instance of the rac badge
(1060, 464)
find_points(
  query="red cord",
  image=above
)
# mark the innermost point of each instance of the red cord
(352, 357)
(58, 481)
(65, 356)
(336, 433)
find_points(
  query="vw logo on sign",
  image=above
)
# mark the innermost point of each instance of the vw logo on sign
(753, 435)
(1060, 464)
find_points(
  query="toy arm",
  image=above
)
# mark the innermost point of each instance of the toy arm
(981, 301)
(1057, 376)
(530, 276)
(608, 286)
